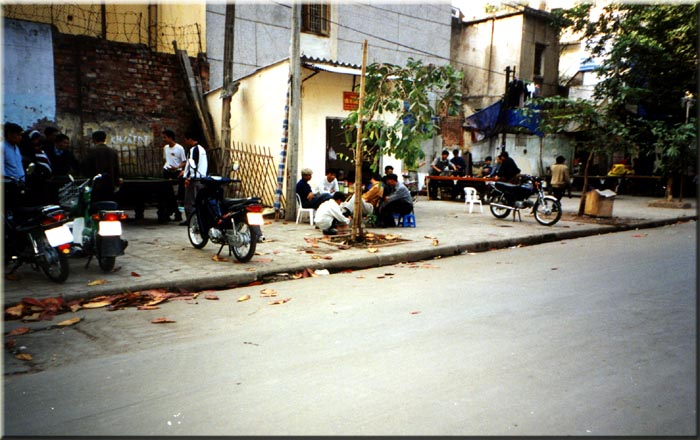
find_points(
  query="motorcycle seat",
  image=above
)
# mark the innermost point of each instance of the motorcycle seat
(520, 191)
(228, 204)
(105, 205)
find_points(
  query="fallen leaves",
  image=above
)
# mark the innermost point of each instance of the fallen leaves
(162, 321)
(19, 331)
(266, 293)
(219, 258)
(68, 322)
(96, 304)
(24, 357)
(135, 274)
(280, 301)
(244, 298)
(211, 297)
(96, 282)
(372, 250)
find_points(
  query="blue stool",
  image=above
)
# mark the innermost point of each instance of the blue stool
(406, 221)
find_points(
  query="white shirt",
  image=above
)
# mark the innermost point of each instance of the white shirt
(327, 187)
(328, 211)
(173, 156)
(201, 169)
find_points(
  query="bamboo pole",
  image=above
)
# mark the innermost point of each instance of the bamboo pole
(357, 218)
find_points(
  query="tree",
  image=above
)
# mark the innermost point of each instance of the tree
(590, 125)
(649, 65)
(398, 114)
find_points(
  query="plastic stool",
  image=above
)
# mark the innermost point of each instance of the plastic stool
(407, 221)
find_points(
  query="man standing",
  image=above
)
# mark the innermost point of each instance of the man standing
(12, 168)
(103, 160)
(196, 167)
(62, 158)
(439, 166)
(560, 177)
(398, 202)
(460, 171)
(174, 158)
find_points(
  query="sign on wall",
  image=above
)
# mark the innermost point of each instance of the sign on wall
(350, 100)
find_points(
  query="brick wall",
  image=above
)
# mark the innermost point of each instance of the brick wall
(451, 131)
(125, 90)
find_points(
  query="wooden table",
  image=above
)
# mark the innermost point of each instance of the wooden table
(480, 182)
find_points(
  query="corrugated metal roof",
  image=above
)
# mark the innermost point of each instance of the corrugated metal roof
(331, 66)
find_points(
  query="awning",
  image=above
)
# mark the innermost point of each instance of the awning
(345, 70)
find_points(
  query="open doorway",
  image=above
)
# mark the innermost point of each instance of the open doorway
(340, 155)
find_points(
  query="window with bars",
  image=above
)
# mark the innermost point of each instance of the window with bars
(316, 18)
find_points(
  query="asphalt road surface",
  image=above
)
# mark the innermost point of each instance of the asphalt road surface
(594, 336)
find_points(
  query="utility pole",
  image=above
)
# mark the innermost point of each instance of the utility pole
(228, 89)
(294, 111)
(503, 133)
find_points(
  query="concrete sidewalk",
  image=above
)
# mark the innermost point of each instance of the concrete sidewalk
(160, 256)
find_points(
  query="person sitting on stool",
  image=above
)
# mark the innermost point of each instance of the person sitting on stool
(398, 202)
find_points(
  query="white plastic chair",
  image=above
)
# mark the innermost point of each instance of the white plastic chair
(471, 197)
(301, 210)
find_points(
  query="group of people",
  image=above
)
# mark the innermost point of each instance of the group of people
(183, 166)
(462, 166)
(36, 164)
(31, 163)
(384, 197)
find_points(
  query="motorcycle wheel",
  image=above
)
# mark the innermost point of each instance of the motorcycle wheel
(106, 263)
(547, 211)
(497, 211)
(54, 263)
(248, 240)
(196, 238)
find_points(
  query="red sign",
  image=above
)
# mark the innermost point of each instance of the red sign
(350, 100)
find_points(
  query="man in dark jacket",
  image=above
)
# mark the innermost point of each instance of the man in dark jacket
(103, 160)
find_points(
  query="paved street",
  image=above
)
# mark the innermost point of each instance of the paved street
(589, 336)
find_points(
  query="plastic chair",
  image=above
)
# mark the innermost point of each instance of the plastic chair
(301, 210)
(471, 197)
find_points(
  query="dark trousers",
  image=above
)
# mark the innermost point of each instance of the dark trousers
(386, 213)
(172, 198)
(434, 185)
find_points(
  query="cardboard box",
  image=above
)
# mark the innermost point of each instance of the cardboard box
(599, 203)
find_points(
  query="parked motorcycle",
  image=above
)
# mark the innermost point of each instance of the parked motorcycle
(97, 227)
(37, 235)
(506, 197)
(224, 221)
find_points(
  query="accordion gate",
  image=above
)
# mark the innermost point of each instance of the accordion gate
(257, 172)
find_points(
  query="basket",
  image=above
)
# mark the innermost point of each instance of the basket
(69, 195)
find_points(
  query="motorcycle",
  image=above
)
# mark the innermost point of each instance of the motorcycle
(97, 227)
(39, 236)
(224, 221)
(506, 197)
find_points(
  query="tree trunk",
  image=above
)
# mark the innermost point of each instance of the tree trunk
(357, 231)
(584, 190)
(669, 187)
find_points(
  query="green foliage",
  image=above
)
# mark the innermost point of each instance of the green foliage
(649, 53)
(399, 112)
(677, 144)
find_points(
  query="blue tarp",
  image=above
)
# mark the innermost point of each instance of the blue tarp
(488, 121)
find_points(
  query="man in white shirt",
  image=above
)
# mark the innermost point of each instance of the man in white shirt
(329, 214)
(174, 158)
(195, 169)
(329, 185)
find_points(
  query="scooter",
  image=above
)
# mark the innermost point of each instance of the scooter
(224, 221)
(97, 227)
(506, 197)
(39, 236)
